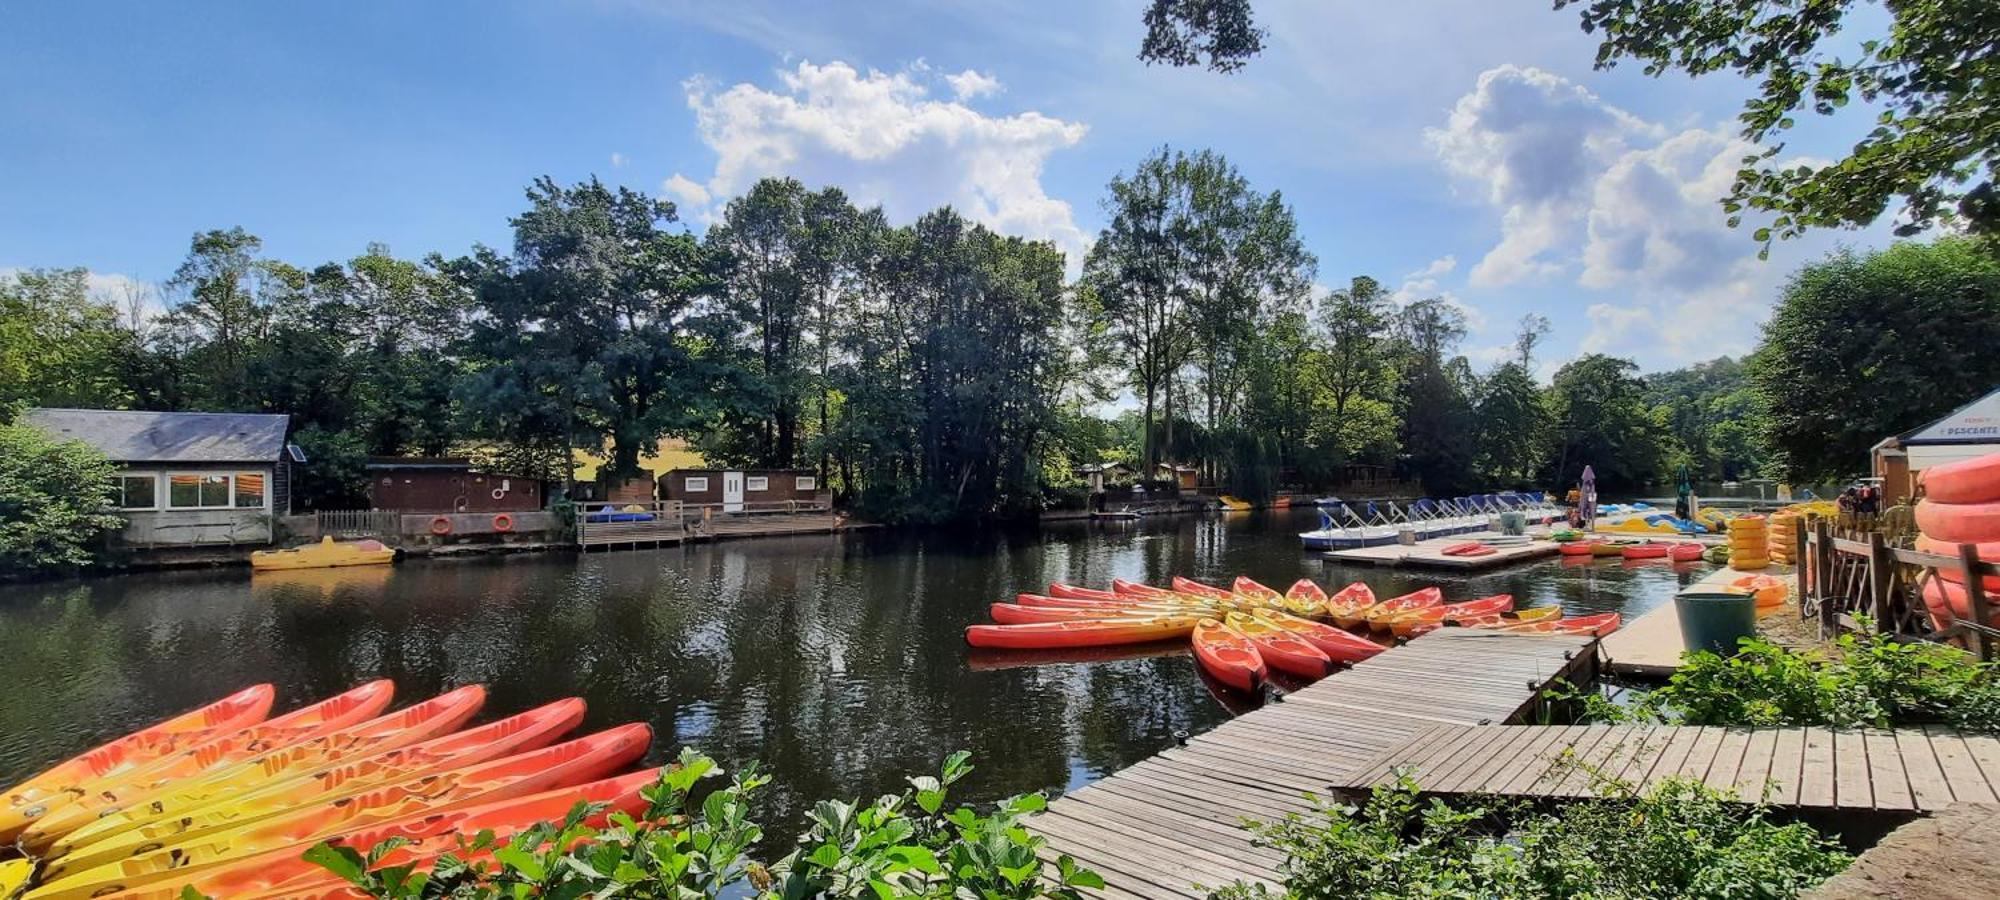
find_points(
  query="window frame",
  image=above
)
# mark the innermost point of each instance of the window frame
(805, 483)
(759, 484)
(153, 477)
(228, 491)
(695, 484)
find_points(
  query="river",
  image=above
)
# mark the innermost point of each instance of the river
(837, 662)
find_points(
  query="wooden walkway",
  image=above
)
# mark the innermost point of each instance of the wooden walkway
(1169, 823)
(1650, 646)
(1908, 770)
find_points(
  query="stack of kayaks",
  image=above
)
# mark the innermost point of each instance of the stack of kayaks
(1961, 506)
(226, 800)
(1245, 632)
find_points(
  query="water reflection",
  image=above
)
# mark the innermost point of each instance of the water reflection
(837, 661)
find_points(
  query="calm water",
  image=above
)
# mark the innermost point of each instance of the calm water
(836, 661)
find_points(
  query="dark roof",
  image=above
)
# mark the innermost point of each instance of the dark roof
(450, 463)
(141, 437)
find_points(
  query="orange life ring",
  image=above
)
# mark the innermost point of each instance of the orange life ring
(503, 523)
(440, 526)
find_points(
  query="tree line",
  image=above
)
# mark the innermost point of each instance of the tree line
(936, 369)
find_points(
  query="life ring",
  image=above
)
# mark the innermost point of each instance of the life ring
(498, 493)
(503, 523)
(440, 526)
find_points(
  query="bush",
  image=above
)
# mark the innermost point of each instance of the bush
(901, 845)
(1679, 839)
(55, 501)
(1873, 682)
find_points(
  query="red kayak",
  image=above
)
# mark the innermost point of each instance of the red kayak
(1190, 586)
(1072, 592)
(1686, 552)
(1245, 587)
(1469, 548)
(1306, 590)
(1988, 552)
(1338, 645)
(1429, 596)
(1959, 523)
(1084, 633)
(1644, 551)
(1107, 607)
(1578, 548)
(1127, 589)
(1598, 625)
(1228, 656)
(1283, 650)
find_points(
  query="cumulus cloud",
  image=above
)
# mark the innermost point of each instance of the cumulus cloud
(885, 139)
(1425, 283)
(971, 83)
(685, 191)
(617, 160)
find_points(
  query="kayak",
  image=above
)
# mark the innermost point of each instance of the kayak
(1228, 656)
(1196, 588)
(13, 874)
(60, 785)
(569, 763)
(1244, 587)
(1647, 550)
(1686, 552)
(1429, 596)
(1975, 480)
(1578, 548)
(1469, 548)
(1283, 650)
(1016, 614)
(1113, 607)
(439, 715)
(1507, 619)
(300, 725)
(1045, 635)
(1406, 623)
(327, 554)
(1306, 590)
(1606, 548)
(1349, 603)
(1599, 625)
(1339, 646)
(1959, 523)
(1122, 589)
(531, 730)
(1072, 592)
(283, 873)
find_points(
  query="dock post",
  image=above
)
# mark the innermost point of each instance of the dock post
(1975, 601)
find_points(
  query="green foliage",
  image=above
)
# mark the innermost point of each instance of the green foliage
(55, 498)
(1599, 418)
(59, 346)
(1713, 416)
(1871, 682)
(1862, 346)
(1678, 839)
(1927, 76)
(1433, 399)
(901, 845)
(1219, 34)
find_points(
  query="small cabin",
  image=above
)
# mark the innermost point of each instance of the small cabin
(1972, 430)
(187, 479)
(733, 489)
(451, 485)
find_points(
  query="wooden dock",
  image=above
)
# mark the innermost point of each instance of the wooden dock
(1650, 646)
(1428, 554)
(610, 526)
(1169, 823)
(1908, 770)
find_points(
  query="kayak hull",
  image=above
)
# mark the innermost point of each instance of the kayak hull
(1228, 657)
(1055, 635)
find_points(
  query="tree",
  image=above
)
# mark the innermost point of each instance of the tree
(1712, 416)
(1598, 417)
(228, 294)
(58, 346)
(1219, 34)
(1511, 424)
(1534, 328)
(55, 501)
(1437, 418)
(1864, 346)
(583, 338)
(1356, 320)
(1927, 74)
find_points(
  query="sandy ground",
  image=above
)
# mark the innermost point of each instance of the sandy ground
(1955, 853)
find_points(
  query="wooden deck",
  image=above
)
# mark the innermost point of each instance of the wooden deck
(1908, 770)
(1426, 554)
(668, 522)
(1651, 645)
(1169, 823)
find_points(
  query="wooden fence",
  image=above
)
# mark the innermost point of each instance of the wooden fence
(349, 524)
(1842, 576)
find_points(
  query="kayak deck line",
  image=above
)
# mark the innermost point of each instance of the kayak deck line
(1265, 760)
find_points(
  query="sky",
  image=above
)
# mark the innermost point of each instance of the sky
(1456, 148)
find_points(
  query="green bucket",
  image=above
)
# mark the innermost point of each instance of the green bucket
(1715, 620)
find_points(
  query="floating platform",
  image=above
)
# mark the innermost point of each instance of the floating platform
(1429, 554)
(1164, 825)
(1650, 646)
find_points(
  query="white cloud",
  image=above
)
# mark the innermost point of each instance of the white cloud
(1424, 283)
(883, 138)
(685, 191)
(970, 83)
(618, 160)
(137, 301)
(1437, 268)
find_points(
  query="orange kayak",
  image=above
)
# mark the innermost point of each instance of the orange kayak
(1988, 551)
(1109, 607)
(531, 730)
(281, 873)
(1196, 588)
(1377, 616)
(300, 725)
(1647, 550)
(57, 787)
(1339, 646)
(439, 715)
(1345, 607)
(1959, 523)
(1099, 633)
(1228, 656)
(569, 763)
(1517, 617)
(1072, 592)
(1123, 588)
(1686, 552)
(1243, 586)
(1975, 480)
(1411, 623)
(1016, 614)
(1306, 590)
(1599, 625)
(1578, 548)
(1283, 650)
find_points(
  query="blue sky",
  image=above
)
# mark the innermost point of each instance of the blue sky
(1450, 147)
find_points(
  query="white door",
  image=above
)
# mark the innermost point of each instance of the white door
(732, 492)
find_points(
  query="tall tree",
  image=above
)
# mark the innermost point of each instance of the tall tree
(228, 294)
(1436, 413)
(58, 345)
(1864, 346)
(1356, 319)
(1512, 421)
(1598, 417)
(1926, 72)
(1219, 34)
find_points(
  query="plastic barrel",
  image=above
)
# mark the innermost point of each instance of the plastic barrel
(1715, 620)
(1513, 523)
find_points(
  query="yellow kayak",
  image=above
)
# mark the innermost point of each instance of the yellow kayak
(13, 874)
(326, 554)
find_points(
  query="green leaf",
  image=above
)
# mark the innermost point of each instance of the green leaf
(341, 860)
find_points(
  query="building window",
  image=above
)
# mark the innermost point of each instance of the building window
(249, 490)
(695, 485)
(187, 490)
(138, 492)
(806, 483)
(757, 483)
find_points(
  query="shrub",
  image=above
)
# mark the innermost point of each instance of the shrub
(901, 845)
(55, 501)
(1679, 839)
